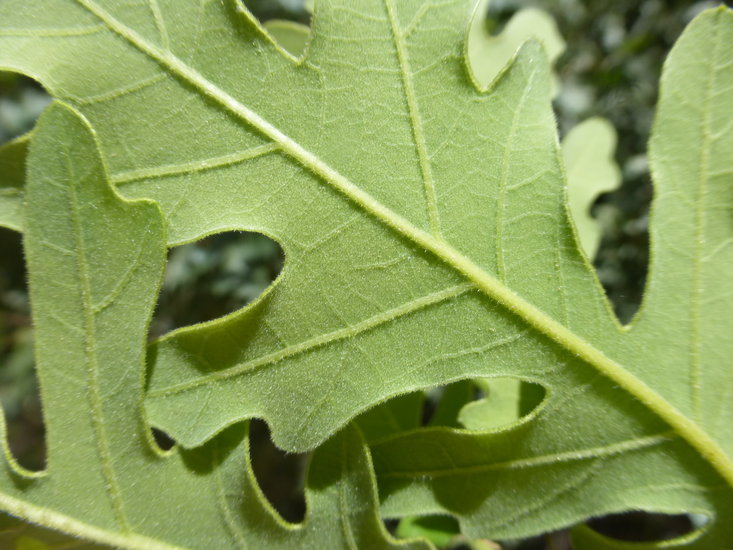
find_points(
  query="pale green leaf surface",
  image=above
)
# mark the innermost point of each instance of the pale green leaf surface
(679, 331)
(500, 406)
(95, 262)
(291, 36)
(427, 240)
(12, 178)
(588, 151)
(439, 530)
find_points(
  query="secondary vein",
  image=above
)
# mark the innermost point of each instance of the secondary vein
(416, 123)
(95, 399)
(322, 340)
(157, 172)
(536, 461)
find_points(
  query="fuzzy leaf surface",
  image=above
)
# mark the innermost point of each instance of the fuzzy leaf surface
(95, 261)
(427, 240)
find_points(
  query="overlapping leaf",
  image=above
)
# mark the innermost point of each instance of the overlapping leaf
(95, 262)
(427, 240)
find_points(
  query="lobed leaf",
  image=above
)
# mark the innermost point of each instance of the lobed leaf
(427, 241)
(95, 262)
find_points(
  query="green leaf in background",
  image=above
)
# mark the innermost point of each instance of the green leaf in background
(12, 178)
(588, 153)
(488, 54)
(291, 36)
(439, 530)
(427, 241)
(506, 401)
(95, 262)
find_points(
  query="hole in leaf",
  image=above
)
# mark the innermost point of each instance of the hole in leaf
(540, 542)
(292, 10)
(501, 402)
(213, 277)
(21, 102)
(623, 254)
(443, 403)
(442, 531)
(611, 69)
(497, 15)
(286, 21)
(162, 439)
(390, 524)
(481, 404)
(640, 526)
(280, 475)
(18, 383)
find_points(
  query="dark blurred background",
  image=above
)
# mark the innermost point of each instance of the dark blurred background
(611, 68)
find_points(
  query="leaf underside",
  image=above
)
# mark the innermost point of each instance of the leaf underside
(427, 240)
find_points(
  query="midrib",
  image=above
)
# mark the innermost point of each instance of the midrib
(485, 282)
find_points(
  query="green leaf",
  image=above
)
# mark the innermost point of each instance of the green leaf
(588, 151)
(400, 414)
(291, 36)
(489, 54)
(95, 262)
(427, 241)
(677, 341)
(439, 530)
(500, 407)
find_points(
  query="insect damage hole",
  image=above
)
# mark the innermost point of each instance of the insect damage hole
(213, 277)
(162, 440)
(442, 531)
(280, 475)
(21, 102)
